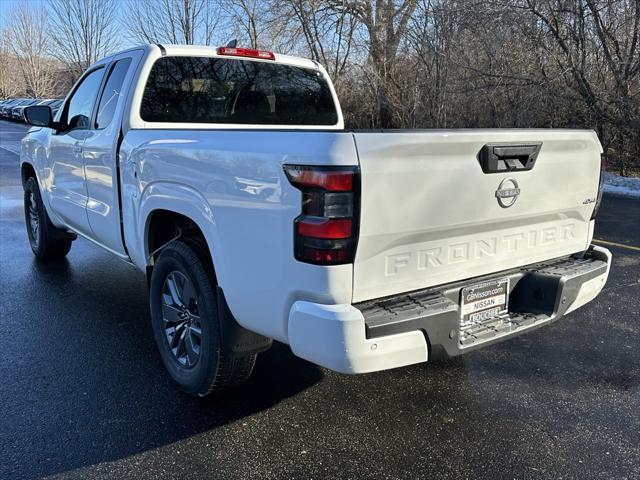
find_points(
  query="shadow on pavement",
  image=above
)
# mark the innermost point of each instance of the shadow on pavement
(94, 389)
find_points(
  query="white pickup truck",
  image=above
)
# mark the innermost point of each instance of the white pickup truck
(227, 175)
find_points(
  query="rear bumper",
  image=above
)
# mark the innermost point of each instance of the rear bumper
(410, 328)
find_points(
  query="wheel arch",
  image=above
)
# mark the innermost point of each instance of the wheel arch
(162, 226)
(161, 201)
(27, 170)
(167, 208)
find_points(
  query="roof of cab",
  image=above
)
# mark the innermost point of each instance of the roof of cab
(209, 51)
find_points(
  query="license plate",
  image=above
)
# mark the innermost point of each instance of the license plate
(483, 301)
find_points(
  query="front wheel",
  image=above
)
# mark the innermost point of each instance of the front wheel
(47, 242)
(185, 323)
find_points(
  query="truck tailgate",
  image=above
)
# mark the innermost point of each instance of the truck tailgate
(430, 215)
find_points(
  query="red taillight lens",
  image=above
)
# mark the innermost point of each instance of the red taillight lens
(246, 52)
(325, 233)
(330, 228)
(332, 180)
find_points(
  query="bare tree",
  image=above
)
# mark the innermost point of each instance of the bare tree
(386, 23)
(597, 44)
(28, 39)
(327, 32)
(173, 21)
(431, 34)
(11, 83)
(247, 17)
(83, 31)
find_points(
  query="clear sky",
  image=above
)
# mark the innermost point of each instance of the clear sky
(7, 5)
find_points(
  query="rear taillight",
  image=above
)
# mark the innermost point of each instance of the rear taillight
(326, 231)
(246, 52)
(600, 188)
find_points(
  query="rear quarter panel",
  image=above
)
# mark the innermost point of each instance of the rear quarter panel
(232, 184)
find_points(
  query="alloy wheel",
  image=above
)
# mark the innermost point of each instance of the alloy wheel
(181, 319)
(34, 219)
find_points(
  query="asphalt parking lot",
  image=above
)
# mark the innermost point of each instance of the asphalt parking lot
(84, 393)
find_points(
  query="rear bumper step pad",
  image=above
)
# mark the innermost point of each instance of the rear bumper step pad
(539, 294)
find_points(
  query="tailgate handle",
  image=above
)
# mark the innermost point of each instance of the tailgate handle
(512, 157)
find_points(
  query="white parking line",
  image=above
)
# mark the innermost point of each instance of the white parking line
(15, 151)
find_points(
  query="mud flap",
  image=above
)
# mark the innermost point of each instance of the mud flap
(236, 338)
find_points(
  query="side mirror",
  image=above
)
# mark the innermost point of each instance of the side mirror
(38, 116)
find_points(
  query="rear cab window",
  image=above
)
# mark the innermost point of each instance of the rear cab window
(234, 91)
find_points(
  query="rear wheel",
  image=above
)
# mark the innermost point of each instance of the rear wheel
(47, 242)
(185, 322)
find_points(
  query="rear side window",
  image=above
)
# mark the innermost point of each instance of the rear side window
(220, 90)
(111, 93)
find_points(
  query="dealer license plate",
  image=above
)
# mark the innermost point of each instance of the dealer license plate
(483, 301)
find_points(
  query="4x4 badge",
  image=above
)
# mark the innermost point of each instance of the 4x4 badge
(507, 192)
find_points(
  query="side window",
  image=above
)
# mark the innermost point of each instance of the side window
(78, 110)
(111, 92)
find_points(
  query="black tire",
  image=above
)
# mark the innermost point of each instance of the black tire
(199, 369)
(47, 242)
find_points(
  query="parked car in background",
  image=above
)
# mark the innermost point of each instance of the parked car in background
(55, 106)
(16, 111)
(5, 109)
(53, 103)
(4, 103)
(49, 101)
(24, 101)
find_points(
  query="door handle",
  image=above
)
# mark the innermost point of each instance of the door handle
(77, 148)
(503, 157)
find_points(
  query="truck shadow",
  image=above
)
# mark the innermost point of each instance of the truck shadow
(92, 387)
